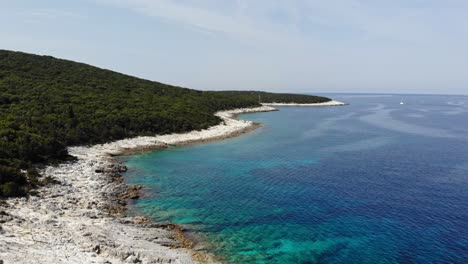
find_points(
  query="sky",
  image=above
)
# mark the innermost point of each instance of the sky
(377, 46)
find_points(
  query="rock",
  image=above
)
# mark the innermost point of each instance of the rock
(133, 259)
(133, 192)
(97, 249)
(141, 220)
(123, 168)
(4, 217)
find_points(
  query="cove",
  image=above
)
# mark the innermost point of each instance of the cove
(372, 182)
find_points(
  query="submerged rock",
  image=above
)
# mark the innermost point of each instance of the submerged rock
(132, 192)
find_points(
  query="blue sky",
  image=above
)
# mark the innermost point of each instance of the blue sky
(392, 46)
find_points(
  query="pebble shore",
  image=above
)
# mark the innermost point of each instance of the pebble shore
(80, 219)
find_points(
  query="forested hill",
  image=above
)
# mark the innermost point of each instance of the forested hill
(47, 104)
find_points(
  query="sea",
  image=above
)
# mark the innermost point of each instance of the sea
(381, 180)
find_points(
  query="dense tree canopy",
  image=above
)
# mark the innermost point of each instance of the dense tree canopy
(47, 104)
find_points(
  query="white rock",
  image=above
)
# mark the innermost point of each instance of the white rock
(68, 220)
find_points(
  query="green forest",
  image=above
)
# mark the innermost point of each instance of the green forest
(47, 104)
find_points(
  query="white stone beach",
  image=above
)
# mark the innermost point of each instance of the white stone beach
(329, 103)
(71, 222)
(79, 219)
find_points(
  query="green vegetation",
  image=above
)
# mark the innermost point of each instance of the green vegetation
(265, 97)
(47, 104)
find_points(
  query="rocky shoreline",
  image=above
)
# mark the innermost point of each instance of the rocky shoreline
(329, 103)
(80, 220)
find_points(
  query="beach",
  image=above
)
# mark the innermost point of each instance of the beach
(329, 103)
(80, 219)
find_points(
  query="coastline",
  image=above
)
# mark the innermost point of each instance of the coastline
(79, 219)
(329, 103)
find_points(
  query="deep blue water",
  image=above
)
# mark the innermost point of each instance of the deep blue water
(372, 182)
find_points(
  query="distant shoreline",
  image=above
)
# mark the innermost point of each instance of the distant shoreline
(80, 220)
(329, 103)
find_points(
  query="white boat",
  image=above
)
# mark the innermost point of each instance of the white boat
(402, 102)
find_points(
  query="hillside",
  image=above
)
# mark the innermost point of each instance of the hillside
(47, 104)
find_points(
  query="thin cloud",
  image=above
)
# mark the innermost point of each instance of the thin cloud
(234, 25)
(40, 15)
(288, 22)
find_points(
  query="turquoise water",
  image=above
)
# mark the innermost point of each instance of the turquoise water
(372, 182)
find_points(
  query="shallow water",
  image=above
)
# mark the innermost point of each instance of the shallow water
(372, 182)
